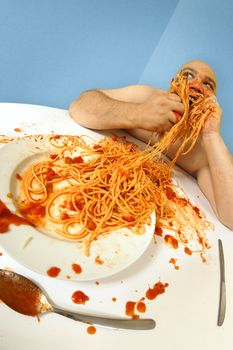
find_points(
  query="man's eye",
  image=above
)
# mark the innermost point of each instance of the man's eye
(209, 86)
(188, 75)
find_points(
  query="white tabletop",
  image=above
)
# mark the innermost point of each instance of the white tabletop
(186, 315)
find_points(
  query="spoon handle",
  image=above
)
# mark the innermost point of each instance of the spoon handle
(143, 324)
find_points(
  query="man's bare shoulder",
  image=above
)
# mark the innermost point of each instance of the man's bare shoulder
(132, 93)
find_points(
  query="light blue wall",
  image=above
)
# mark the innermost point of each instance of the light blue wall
(51, 50)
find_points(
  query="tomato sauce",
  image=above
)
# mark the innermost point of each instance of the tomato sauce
(76, 268)
(158, 231)
(171, 241)
(53, 271)
(158, 288)
(78, 297)
(188, 251)
(7, 218)
(20, 295)
(141, 307)
(33, 209)
(197, 211)
(130, 309)
(173, 261)
(91, 330)
(99, 261)
(170, 193)
(18, 176)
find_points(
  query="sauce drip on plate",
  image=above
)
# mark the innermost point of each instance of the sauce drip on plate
(53, 271)
(91, 330)
(7, 218)
(76, 268)
(158, 288)
(79, 297)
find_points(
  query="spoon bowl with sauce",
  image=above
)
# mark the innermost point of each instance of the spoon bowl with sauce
(25, 297)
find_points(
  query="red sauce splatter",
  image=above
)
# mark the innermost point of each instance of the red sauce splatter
(7, 218)
(171, 241)
(128, 218)
(78, 204)
(91, 330)
(97, 147)
(18, 176)
(68, 160)
(158, 288)
(99, 261)
(91, 225)
(76, 268)
(64, 216)
(50, 174)
(173, 261)
(158, 231)
(197, 211)
(170, 223)
(79, 297)
(170, 193)
(184, 201)
(78, 159)
(53, 156)
(53, 271)
(188, 251)
(141, 307)
(130, 309)
(34, 209)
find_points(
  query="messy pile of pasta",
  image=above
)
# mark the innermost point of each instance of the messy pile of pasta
(109, 185)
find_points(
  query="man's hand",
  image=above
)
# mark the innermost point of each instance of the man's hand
(213, 124)
(159, 112)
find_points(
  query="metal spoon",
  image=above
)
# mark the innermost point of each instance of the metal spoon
(25, 297)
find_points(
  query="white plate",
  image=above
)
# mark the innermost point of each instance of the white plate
(118, 250)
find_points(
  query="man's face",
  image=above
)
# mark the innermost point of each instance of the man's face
(201, 79)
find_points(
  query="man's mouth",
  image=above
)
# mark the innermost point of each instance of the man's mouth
(194, 96)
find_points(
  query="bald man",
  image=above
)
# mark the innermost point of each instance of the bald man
(141, 109)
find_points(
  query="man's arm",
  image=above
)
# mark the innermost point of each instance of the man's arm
(215, 175)
(131, 107)
(216, 178)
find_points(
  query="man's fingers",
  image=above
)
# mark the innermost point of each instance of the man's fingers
(174, 117)
(174, 97)
(176, 106)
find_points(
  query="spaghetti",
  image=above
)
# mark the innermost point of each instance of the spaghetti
(188, 128)
(105, 187)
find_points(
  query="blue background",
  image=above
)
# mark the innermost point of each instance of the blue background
(51, 50)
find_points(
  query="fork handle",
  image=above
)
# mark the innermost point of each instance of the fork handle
(142, 324)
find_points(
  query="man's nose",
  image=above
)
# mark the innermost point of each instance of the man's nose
(197, 86)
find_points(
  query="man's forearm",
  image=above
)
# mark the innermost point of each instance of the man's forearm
(94, 110)
(221, 170)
